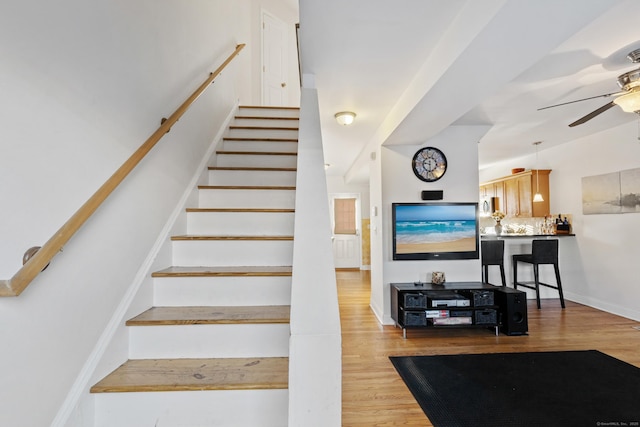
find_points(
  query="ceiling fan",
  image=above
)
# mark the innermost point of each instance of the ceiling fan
(628, 98)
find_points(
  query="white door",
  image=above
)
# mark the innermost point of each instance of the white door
(274, 61)
(345, 212)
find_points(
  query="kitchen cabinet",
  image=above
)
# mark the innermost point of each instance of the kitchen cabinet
(498, 189)
(495, 190)
(515, 193)
(486, 191)
(511, 198)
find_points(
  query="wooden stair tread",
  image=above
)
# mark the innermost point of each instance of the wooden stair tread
(269, 107)
(208, 315)
(251, 210)
(248, 168)
(246, 187)
(266, 118)
(262, 128)
(256, 153)
(253, 271)
(260, 139)
(200, 237)
(144, 375)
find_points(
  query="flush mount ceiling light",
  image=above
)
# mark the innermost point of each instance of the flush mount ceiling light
(537, 197)
(345, 117)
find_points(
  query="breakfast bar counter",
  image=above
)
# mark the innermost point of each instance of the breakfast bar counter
(568, 257)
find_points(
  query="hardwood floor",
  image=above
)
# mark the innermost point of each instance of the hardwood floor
(374, 395)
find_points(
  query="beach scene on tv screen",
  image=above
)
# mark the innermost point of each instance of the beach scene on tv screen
(431, 228)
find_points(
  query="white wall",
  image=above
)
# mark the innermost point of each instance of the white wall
(603, 270)
(399, 184)
(84, 84)
(315, 375)
(376, 299)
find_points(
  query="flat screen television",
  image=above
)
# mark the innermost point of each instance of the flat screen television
(433, 231)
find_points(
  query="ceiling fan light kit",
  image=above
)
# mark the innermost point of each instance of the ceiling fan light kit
(630, 81)
(630, 103)
(628, 99)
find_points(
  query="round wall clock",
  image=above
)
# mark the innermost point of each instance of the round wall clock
(429, 164)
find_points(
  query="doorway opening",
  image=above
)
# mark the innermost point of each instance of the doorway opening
(346, 234)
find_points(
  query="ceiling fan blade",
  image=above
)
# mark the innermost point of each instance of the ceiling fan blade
(592, 114)
(584, 99)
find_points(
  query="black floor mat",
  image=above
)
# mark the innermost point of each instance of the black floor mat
(567, 388)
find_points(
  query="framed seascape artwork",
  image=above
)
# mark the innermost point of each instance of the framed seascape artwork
(612, 193)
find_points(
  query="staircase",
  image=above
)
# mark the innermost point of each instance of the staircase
(213, 351)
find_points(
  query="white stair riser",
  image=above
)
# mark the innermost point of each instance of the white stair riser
(266, 146)
(219, 253)
(252, 178)
(257, 160)
(213, 198)
(266, 122)
(238, 408)
(240, 223)
(263, 133)
(221, 291)
(207, 341)
(268, 112)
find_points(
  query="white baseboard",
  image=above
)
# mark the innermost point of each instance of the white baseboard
(603, 305)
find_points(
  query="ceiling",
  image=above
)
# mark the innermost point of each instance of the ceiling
(412, 69)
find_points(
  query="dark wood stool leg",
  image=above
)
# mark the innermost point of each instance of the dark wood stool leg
(557, 270)
(514, 266)
(504, 281)
(536, 278)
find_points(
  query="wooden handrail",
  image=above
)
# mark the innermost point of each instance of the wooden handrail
(24, 276)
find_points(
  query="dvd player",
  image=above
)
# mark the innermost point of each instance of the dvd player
(447, 299)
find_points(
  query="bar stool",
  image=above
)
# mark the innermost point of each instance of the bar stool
(492, 254)
(542, 252)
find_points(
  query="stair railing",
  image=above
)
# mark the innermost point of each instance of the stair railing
(41, 259)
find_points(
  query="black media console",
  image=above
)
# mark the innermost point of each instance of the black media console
(458, 304)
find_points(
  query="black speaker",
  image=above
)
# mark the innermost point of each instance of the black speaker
(432, 195)
(513, 310)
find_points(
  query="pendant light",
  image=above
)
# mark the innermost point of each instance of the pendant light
(537, 197)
